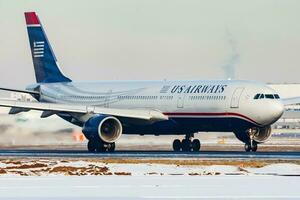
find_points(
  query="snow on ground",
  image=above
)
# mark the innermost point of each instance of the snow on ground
(283, 169)
(107, 179)
(149, 187)
(163, 169)
(53, 167)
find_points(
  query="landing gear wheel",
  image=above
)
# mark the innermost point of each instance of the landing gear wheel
(196, 145)
(111, 147)
(91, 146)
(254, 147)
(186, 145)
(100, 147)
(177, 145)
(247, 147)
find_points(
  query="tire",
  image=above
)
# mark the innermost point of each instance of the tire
(100, 147)
(186, 145)
(177, 145)
(91, 146)
(254, 147)
(247, 147)
(196, 145)
(111, 147)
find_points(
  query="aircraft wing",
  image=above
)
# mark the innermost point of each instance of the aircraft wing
(291, 101)
(152, 115)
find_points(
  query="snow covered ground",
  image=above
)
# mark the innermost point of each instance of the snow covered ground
(69, 179)
(150, 187)
(63, 167)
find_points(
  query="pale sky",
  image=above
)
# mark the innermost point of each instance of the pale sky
(156, 39)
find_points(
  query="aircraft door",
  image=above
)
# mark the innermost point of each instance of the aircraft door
(235, 100)
(180, 102)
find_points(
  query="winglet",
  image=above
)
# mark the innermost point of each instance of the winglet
(31, 18)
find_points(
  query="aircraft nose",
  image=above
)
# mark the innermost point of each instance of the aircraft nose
(271, 112)
(277, 109)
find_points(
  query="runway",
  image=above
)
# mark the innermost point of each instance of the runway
(70, 174)
(153, 154)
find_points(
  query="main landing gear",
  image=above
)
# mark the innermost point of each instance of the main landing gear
(187, 144)
(252, 145)
(100, 146)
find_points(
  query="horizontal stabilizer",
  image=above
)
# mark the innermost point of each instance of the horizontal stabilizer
(21, 91)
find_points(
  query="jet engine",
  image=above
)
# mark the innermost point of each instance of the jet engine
(107, 128)
(262, 134)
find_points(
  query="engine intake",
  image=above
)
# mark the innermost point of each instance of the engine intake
(262, 134)
(107, 128)
(110, 129)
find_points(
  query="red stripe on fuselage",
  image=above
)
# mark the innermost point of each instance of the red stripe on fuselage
(31, 18)
(211, 115)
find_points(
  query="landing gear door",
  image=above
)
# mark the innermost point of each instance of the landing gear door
(235, 100)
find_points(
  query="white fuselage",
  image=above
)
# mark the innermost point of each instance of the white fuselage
(177, 99)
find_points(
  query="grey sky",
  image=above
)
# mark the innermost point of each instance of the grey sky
(156, 39)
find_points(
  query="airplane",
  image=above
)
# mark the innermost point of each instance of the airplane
(107, 109)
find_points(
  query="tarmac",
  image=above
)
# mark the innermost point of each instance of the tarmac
(229, 155)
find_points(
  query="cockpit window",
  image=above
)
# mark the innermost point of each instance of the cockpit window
(269, 96)
(276, 96)
(256, 96)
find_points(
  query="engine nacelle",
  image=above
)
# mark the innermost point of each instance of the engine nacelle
(107, 128)
(262, 134)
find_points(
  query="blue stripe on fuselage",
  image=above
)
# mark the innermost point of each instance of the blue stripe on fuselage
(183, 125)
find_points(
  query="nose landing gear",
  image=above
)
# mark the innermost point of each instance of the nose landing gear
(187, 144)
(249, 147)
(252, 145)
